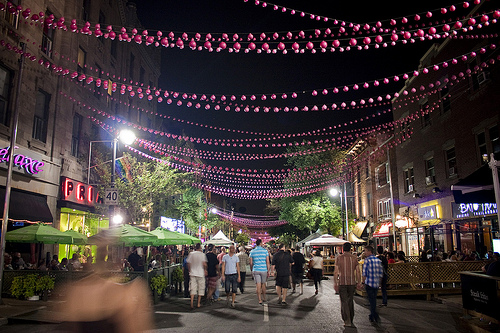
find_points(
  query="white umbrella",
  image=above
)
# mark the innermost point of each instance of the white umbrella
(326, 240)
(218, 242)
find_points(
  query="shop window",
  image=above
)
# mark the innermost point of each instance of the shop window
(409, 180)
(381, 175)
(75, 137)
(5, 83)
(41, 118)
(47, 38)
(430, 172)
(451, 161)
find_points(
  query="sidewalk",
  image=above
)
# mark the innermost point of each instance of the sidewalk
(36, 311)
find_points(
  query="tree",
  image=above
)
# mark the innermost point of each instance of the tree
(195, 211)
(314, 210)
(242, 238)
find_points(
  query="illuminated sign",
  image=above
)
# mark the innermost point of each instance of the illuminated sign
(427, 213)
(465, 210)
(80, 193)
(172, 224)
(22, 162)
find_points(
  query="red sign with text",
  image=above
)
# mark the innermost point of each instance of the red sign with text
(78, 192)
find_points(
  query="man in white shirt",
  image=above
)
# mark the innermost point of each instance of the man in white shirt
(197, 265)
(231, 271)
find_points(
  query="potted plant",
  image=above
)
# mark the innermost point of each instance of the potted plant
(24, 286)
(45, 283)
(158, 284)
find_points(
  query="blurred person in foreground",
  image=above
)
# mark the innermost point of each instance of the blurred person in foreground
(97, 304)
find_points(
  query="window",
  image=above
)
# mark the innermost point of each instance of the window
(113, 50)
(451, 161)
(430, 172)
(142, 73)
(75, 137)
(94, 133)
(102, 22)
(409, 180)
(5, 82)
(131, 67)
(47, 38)
(97, 90)
(41, 116)
(494, 139)
(86, 10)
(384, 209)
(445, 100)
(82, 61)
(381, 175)
(426, 116)
(13, 18)
(481, 144)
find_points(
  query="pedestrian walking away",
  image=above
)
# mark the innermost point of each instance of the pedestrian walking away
(281, 263)
(372, 275)
(212, 272)
(383, 283)
(260, 265)
(197, 265)
(316, 267)
(345, 279)
(244, 261)
(298, 270)
(231, 277)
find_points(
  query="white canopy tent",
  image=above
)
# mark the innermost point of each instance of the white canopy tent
(326, 240)
(219, 240)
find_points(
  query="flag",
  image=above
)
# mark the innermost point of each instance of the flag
(122, 168)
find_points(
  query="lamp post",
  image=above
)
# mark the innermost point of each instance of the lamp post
(494, 164)
(127, 137)
(334, 192)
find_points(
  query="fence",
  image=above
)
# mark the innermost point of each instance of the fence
(65, 277)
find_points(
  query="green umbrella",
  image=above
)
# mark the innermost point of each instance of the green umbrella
(78, 238)
(38, 233)
(195, 239)
(125, 235)
(167, 237)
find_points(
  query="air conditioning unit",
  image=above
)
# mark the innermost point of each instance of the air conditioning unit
(451, 171)
(429, 180)
(483, 77)
(410, 188)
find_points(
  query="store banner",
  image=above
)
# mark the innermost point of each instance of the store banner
(467, 210)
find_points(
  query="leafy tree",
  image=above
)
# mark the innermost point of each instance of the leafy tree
(309, 212)
(195, 211)
(242, 238)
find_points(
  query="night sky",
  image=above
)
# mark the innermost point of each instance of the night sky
(227, 73)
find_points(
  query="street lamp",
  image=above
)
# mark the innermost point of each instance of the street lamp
(334, 192)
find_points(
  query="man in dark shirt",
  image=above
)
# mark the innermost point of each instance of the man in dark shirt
(212, 272)
(385, 265)
(298, 270)
(133, 259)
(281, 262)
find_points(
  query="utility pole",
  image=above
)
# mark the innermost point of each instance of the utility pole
(8, 184)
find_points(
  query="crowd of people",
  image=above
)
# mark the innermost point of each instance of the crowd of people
(15, 261)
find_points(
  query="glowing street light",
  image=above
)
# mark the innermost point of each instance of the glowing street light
(117, 219)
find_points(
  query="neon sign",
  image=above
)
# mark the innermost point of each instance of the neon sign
(23, 162)
(78, 192)
(464, 210)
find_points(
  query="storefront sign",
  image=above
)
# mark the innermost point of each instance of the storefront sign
(480, 294)
(80, 193)
(427, 213)
(383, 230)
(466, 210)
(22, 161)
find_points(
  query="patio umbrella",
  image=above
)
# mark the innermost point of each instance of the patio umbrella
(38, 233)
(125, 235)
(167, 237)
(78, 238)
(194, 239)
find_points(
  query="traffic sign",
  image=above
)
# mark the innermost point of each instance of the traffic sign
(111, 196)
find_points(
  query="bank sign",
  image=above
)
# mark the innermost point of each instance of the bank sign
(24, 161)
(466, 210)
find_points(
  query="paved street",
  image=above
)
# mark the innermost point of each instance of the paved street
(304, 313)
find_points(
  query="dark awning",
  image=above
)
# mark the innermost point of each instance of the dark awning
(26, 206)
(476, 188)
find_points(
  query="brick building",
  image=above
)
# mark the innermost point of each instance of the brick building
(54, 124)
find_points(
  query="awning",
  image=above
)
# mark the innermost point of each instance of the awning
(308, 238)
(26, 206)
(383, 230)
(354, 239)
(475, 188)
(359, 228)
